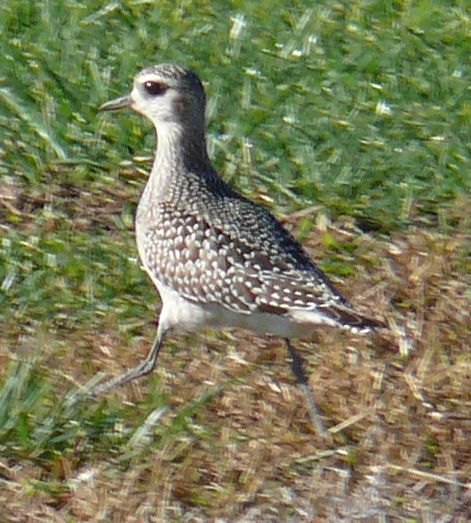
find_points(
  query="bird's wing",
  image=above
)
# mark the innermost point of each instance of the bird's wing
(252, 265)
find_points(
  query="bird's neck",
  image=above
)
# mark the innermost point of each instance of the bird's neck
(180, 150)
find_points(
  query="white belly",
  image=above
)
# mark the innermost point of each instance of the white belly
(180, 315)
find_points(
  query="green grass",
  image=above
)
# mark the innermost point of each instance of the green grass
(382, 83)
(359, 110)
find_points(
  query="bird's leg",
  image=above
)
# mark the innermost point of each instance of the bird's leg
(303, 384)
(143, 368)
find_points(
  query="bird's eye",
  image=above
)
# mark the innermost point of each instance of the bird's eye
(155, 88)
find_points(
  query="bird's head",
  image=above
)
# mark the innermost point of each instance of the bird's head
(166, 94)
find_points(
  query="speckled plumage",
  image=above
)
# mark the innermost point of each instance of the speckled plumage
(215, 257)
(212, 245)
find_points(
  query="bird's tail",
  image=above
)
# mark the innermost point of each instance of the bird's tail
(352, 320)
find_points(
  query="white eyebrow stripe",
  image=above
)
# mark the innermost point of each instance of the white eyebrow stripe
(151, 78)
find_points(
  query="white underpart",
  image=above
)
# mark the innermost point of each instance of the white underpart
(181, 315)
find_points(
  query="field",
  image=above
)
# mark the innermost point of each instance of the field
(351, 122)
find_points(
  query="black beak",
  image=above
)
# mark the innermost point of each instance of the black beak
(118, 103)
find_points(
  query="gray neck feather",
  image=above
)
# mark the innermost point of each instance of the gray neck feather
(180, 150)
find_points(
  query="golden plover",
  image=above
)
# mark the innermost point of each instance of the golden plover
(216, 258)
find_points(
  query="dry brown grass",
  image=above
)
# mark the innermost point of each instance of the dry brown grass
(250, 454)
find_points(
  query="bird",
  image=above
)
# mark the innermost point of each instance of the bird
(216, 258)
